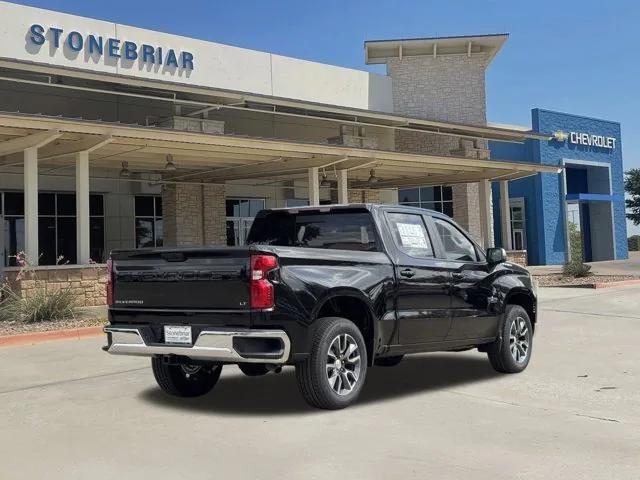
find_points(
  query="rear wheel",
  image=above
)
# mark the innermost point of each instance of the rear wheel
(185, 380)
(389, 361)
(333, 374)
(512, 351)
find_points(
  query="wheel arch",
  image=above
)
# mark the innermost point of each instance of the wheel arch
(350, 304)
(524, 299)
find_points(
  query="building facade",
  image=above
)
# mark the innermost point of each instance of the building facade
(115, 137)
(588, 196)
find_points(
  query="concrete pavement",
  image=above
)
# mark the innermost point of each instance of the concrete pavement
(70, 411)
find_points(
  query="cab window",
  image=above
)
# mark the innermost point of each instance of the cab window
(410, 234)
(456, 245)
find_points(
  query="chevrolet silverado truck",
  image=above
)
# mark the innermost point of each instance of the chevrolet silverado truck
(330, 290)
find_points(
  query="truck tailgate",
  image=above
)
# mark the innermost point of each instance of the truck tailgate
(184, 279)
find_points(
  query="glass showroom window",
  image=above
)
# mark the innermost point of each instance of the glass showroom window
(149, 228)
(240, 214)
(56, 227)
(12, 209)
(438, 198)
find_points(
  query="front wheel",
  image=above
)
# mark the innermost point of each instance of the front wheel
(185, 380)
(511, 352)
(333, 374)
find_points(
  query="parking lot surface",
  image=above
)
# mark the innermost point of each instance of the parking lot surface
(70, 411)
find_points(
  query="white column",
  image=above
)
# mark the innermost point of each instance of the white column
(82, 208)
(314, 187)
(31, 248)
(485, 213)
(343, 190)
(505, 215)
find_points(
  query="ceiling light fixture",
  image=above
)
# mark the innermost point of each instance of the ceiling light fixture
(325, 181)
(170, 166)
(372, 178)
(125, 172)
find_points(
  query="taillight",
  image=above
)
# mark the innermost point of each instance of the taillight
(109, 283)
(260, 287)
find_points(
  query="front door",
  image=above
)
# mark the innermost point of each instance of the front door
(422, 297)
(470, 283)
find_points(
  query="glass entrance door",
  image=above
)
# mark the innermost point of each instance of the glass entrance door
(518, 229)
(240, 215)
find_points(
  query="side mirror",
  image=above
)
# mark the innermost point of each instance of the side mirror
(496, 256)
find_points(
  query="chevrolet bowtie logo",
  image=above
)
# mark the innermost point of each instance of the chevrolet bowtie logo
(560, 136)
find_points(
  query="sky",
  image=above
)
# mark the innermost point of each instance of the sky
(580, 57)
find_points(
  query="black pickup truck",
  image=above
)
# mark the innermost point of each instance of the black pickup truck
(330, 290)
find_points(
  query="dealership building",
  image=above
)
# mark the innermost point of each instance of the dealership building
(113, 136)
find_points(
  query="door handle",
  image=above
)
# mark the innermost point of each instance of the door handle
(407, 272)
(458, 276)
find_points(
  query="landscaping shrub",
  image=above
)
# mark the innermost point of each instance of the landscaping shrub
(576, 269)
(40, 306)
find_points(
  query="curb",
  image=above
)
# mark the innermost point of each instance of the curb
(621, 283)
(39, 337)
(597, 285)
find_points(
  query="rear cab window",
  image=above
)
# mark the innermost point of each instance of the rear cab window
(340, 229)
(410, 234)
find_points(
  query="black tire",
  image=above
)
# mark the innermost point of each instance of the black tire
(185, 380)
(388, 361)
(313, 376)
(253, 369)
(500, 352)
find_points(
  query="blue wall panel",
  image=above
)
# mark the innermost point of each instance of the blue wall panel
(544, 205)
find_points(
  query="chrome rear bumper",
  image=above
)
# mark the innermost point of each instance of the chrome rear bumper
(213, 345)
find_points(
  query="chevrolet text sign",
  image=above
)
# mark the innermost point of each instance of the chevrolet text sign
(590, 140)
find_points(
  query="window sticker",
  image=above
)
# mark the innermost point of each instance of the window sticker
(412, 235)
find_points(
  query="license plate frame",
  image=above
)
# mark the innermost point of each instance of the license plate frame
(178, 334)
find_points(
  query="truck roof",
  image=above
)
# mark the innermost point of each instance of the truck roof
(367, 206)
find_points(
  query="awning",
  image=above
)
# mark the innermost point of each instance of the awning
(221, 157)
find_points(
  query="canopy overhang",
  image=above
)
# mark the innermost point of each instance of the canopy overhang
(220, 158)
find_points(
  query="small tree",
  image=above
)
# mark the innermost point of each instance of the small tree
(575, 243)
(634, 243)
(575, 267)
(632, 187)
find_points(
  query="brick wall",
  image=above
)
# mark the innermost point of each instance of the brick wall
(364, 196)
(517, 256)
(87, 283)
(194, 214)
(448, 88)
(215, 215)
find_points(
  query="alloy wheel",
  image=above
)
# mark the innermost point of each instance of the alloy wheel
(343, 364)
(519, 340)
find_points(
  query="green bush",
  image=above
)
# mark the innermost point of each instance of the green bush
(634, 243)
(575, 243)
(576, 269)
(39, 306)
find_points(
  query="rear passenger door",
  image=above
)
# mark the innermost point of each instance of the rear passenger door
(422, 291)
(470, 284)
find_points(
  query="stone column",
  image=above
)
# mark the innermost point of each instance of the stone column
(194, 214)
(343, 190)
(314, 186)
(364, 195)
(215, 215)
(448, 88)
